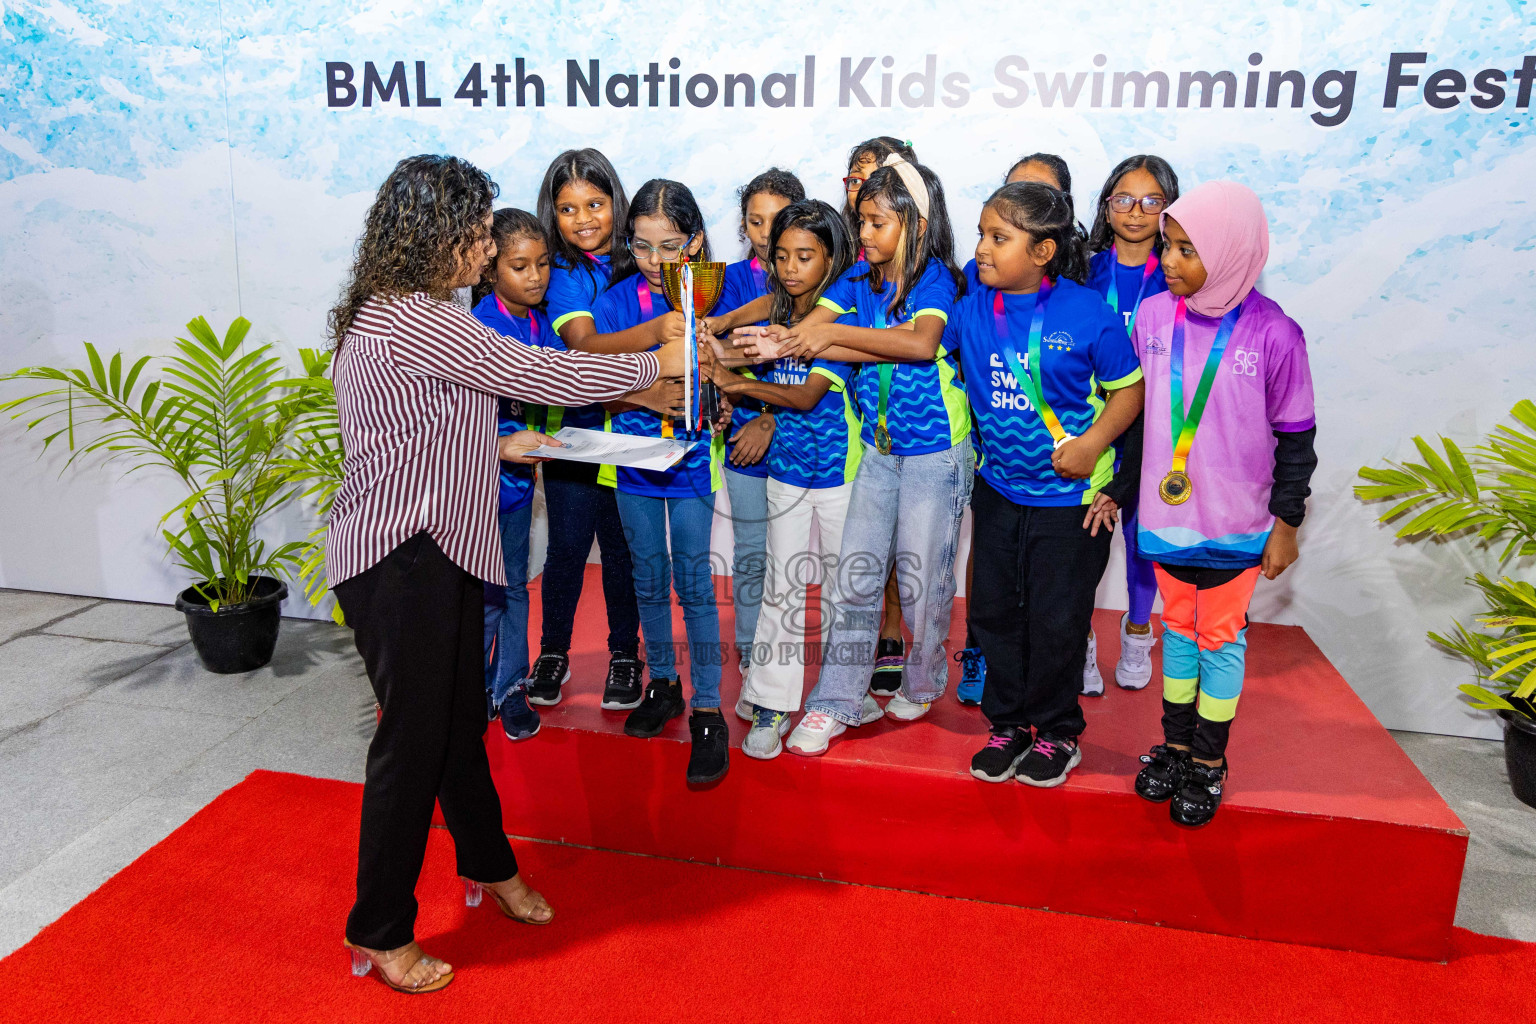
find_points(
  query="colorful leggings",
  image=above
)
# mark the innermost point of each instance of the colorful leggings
(1205, 641)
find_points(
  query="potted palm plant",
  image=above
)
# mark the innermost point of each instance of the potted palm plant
(219, 417)
(314, 464)
(1487, 492)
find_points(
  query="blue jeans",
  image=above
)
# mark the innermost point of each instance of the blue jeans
(749, 559)
(684, 565)
(506, 610)
(906, 509)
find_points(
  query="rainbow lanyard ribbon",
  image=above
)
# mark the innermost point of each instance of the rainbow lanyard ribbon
(759, 276)
(1184, 425)
(533, 342)
(1114, 285)
(647, 312)
(1033, 388)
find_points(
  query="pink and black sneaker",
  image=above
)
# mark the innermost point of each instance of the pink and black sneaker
(1049, 761)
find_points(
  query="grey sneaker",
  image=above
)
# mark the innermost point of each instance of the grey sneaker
(765, 739)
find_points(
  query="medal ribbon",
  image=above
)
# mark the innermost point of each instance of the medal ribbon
(647, 311)
(759, 276)
(1114, 285)
(887, 371)
(1033, 388)
(1184, 425)
(533, 342)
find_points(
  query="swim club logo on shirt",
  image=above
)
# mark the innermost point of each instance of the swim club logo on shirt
(1002, 377)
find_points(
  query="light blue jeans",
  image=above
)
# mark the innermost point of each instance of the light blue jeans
(684, 565)
(506, 610)
(749, 558)
(905, 508)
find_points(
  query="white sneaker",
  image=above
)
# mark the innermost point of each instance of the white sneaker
(1134, 669)
(763, 739)
(814, 733)
(872, 712)
(744, 708)
(1093, 679)
(905, 710)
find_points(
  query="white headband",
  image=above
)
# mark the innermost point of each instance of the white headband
(912, 179)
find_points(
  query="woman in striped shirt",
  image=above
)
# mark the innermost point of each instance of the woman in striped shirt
(413, 534)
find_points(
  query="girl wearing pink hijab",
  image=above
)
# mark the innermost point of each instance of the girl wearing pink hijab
(1226, 465)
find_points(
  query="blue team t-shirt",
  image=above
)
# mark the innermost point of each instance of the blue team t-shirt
(925, 410)
(815, 447)
(534, 331)
(1083, 347)
(745, 280)
(627, 304)
(1128, 282)
(571, 293)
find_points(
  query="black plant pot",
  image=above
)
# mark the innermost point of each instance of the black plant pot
(237, 637)
(1520, 756)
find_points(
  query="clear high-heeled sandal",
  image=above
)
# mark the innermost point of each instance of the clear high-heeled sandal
(474, 892)
(364, 960)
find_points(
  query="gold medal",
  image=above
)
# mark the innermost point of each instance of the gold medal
(882, 439)
(1176, 487)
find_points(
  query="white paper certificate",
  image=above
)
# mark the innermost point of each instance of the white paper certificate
(582, 445)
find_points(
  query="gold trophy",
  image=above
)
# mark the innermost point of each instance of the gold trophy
(703, 284)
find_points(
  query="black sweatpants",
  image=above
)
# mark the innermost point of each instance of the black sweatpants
(418, 621)
(1031, 606)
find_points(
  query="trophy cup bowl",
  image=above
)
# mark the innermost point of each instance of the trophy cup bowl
(708, 283)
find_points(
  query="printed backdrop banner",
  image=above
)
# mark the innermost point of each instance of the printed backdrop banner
(161, 160)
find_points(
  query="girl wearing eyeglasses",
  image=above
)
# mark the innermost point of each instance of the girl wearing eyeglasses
(1126, 270)
(664, 222)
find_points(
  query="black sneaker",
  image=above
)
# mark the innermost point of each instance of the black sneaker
(663, 702)
(550, 673)
(623, 689)
(1199, 796)
(518, 720)
(997, 761)
(1163, 773)
(1049, 761)
(711, 755)
(890, 656)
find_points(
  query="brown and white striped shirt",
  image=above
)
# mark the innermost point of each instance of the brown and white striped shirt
(416, 380)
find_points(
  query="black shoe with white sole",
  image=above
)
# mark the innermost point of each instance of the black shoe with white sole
(550, 672)
(999, 759)
(623, 689)
(1049, 761)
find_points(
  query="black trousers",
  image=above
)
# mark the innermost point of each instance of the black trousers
(418, 621)
(580, 509)
(1031, 606)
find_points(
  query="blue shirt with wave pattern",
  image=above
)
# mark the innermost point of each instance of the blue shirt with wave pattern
(815, 447)
(925, 410)
(1083, 346)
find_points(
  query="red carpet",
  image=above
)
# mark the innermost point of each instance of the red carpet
(237, 916)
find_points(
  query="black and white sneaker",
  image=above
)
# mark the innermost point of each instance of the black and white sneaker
(999, 759)
(623, 689)
(1162, 773)
(890, 658)
(1049, 761)
(550, 672)
(663, 702)
(1199, 796)
(710, 758)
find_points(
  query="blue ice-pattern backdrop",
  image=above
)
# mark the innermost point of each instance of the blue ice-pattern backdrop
(163, 160)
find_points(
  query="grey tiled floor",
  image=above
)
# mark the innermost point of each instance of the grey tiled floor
(111, 736)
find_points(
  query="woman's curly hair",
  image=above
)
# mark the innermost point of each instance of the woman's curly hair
(425, 223)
